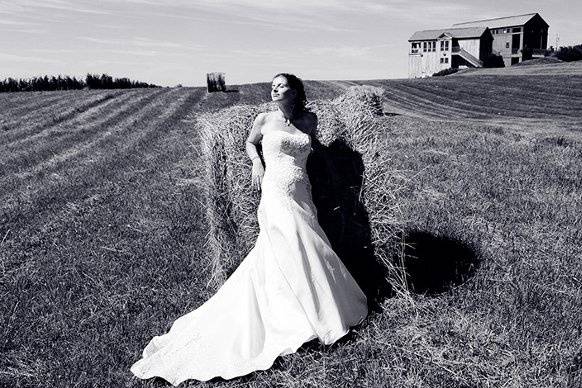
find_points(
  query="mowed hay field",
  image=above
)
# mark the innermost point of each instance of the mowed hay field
(102, 235)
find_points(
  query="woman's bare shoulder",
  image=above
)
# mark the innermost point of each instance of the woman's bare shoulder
(261, 118)
(259, 123)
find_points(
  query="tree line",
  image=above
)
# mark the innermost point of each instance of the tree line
(563, 53)
(569, 53)
(91, 81)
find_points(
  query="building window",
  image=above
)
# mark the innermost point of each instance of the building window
(506, 44)
(516, 29)
(432, 46)
(447, 60)
(444, 45)
(424, 46)
(415, 48)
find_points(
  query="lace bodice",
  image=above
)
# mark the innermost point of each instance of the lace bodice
(285, 157)
(285, 147)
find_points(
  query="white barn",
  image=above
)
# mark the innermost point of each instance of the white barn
(434, 50)
(515, 38)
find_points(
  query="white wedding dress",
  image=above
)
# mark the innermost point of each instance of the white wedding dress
(289, 289)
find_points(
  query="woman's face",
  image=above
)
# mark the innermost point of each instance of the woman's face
(280, 90)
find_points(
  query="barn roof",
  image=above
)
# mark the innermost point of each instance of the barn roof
(458, 33)
(507, 21)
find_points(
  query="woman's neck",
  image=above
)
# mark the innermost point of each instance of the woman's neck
(289, 111)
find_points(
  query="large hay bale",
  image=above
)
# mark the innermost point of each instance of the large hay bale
(353, 189)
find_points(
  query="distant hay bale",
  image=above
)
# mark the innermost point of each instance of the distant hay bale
(353, 189)
(215, 82)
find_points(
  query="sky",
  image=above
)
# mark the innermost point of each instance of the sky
(170, 42)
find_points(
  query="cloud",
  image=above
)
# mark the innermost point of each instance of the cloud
(16, 23)
(244, 17)
(35, 8)
(303, 15)
(53, 51)
(369, 53)
(27, 59)
(31, 31)
(141, 42)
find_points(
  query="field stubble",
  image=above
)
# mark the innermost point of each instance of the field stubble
(102, 247)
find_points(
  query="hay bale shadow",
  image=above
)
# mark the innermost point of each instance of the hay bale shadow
(435, 264)
(336, 172)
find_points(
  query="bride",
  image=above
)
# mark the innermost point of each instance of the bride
(289, 289)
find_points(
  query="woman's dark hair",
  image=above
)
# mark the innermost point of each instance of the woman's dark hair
(296, 84)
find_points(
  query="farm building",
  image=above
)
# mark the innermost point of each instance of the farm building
(434, 50)
(516, 38)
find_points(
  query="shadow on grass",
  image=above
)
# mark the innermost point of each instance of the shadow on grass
(434, 264)
(336, 172)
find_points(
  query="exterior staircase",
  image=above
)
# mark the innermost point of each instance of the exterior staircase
(476, 62)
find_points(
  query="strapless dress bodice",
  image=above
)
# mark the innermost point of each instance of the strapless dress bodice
(285, 147)
(285, 157)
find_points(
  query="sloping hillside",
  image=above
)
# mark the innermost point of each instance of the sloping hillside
(487, 97)
(523, 68)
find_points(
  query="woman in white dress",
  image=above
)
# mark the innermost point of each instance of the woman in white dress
(289, 289)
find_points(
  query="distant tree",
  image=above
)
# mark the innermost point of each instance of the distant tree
(10, 85)
(93, 81)
(569, 53)
(23, 85)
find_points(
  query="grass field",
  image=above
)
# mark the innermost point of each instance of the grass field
(102, 234)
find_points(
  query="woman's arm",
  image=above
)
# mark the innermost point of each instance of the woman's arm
(253, 139)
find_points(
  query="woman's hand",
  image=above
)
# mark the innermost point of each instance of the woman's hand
(253, 139)
(257, 173)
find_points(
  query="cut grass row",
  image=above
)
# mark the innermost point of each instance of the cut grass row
(52, 144)
(487, 97)
(50, 132)
(57, 112)
(19, 104)
(65, 175)
(509, 102)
